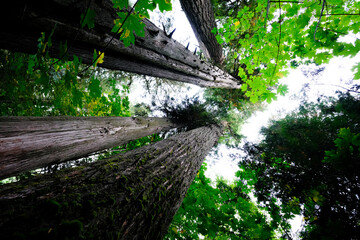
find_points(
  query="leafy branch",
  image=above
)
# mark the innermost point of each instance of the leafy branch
(119, 31)
(255, 36)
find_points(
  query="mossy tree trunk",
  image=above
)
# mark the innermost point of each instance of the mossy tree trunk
(27, 143)
(129, 196)
(154, 55)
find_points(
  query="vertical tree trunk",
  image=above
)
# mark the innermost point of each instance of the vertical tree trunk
(129, 196)
(155, 54)
(200, 14)
(28, 143)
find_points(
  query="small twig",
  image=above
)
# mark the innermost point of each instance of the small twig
(267, 13)
(279, 23)
(321, 13)
(286, 232)
(279, 43)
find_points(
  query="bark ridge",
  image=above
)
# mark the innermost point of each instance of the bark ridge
(27, 143)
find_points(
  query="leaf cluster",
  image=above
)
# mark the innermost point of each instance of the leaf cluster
(37, 85)
(263, 38)
(130, 23)
(308, 163)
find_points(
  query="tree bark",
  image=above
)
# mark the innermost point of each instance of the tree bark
(155, 54)
(200, 14)
(129, 196)
(27, 143)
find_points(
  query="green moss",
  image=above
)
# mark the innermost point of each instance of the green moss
(52, 208)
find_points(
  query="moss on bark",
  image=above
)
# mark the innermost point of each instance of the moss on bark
(129, 196)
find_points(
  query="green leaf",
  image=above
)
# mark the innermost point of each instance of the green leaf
(76, 62)
(356, 69)
(282, 89)
(254, 98)
(88, 19)
(133, 24)
(269, 96)
(95, 89)
(120, 4)
(77, 97)
(302, 21)
(164, 5)
(244, 87)
(143, 6)
(356, 140)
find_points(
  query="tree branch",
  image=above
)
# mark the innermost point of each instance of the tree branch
(321, 13)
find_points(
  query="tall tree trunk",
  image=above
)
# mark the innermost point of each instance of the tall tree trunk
(129, 196)
(155, 54)
(200, 14)
(28, 143)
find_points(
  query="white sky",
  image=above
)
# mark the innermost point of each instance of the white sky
(183, 33)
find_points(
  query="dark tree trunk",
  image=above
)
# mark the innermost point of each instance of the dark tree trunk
(27, 143)
(129, 196)
(200, 14)
(21, 23)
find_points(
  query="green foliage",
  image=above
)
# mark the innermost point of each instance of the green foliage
(347, 151)
(127, 28)
(88, 19)
(221, 212)
(37, 85)
(308, 163)
(130, 23)
(120, 4)
(264, 37)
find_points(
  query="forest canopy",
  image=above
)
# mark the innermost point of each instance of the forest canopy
(308, 164)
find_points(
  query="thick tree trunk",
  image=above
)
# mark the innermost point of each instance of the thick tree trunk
(21, 23)
(129, 196)
(28, 143)
(200, 14)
